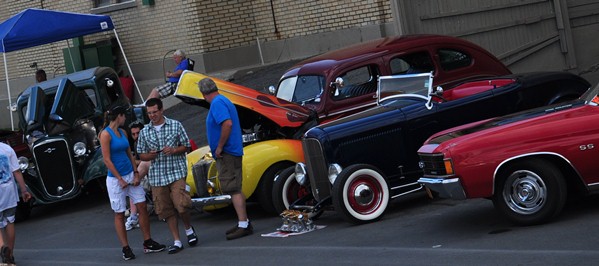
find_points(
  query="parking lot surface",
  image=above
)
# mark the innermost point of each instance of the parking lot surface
(414, 231)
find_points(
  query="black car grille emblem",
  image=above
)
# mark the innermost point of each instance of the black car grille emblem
(49, 150)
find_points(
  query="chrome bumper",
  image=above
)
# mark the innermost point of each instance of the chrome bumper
(199, 202)
(447, 188)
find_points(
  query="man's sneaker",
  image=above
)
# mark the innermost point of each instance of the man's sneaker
(235, 228)
(3, 253)
(174, 249)
(6, 257)
(231, 230)
(192, 238)
(131, 223)
(240, 232)
(128, 253)
(151, 246)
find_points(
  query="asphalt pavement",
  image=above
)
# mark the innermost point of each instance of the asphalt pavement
(414, 231)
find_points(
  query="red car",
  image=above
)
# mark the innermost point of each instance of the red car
(527, 163)
(344, 81)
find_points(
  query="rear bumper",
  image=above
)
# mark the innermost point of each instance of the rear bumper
(447, 188)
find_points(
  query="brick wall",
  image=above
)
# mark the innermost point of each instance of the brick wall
(148, 32)
(227, 24)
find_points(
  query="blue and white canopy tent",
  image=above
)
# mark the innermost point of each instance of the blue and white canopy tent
(33, 27)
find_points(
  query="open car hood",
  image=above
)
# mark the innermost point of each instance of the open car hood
(281, 112)
(36, 109)
(70, 104)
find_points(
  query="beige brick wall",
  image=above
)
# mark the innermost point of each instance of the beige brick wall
(148, 32)
(227, 24)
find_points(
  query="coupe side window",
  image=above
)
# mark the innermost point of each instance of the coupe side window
(357, 82)
(453, 59)
(414, 63)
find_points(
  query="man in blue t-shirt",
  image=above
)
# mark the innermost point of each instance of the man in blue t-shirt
(224, 138)
(168, 88)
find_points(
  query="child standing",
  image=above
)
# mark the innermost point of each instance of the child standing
(10, 176)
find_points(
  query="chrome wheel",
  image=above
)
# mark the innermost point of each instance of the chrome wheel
(530, 191)
(525, 192)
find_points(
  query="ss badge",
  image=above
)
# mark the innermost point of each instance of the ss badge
(586, 147)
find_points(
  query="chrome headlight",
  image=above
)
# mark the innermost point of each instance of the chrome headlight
(334, 170)
(23, 163)
(300, 174)
(79, 149)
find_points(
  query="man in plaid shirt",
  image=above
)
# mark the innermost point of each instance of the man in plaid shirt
(164, 142)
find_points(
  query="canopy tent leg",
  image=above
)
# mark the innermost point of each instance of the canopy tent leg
(127, 63)
(12, 123)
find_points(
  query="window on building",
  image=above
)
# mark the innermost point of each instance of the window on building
(105, 6)
(101, 3)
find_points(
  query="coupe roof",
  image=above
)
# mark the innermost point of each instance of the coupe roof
(370, 49)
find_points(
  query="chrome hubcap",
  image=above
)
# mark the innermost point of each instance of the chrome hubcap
(525, 192)
(363, 194)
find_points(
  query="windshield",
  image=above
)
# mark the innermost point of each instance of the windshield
(300, 89)
(591, 96)
(392, 86)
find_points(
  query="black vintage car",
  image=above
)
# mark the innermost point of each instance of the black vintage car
(60, 120)
(358, 163)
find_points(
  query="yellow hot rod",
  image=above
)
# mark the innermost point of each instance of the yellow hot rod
(271, 128)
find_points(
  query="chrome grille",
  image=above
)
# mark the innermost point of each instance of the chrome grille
(317, 168)
(432, 164)
(200, 177)
(55, 167)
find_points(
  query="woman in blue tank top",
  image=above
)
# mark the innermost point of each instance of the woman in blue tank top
(123, 180)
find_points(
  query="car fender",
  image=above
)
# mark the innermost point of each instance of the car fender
(257, 158)
(95, 167)
(559, 159)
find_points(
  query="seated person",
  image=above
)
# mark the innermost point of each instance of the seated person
(169, 88)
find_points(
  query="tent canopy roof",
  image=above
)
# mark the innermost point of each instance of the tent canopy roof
(33, 27)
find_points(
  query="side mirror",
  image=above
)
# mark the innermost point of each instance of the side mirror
(272, 90)
(338, 83)
(439, 91)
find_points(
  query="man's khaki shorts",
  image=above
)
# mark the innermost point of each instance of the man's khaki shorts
(170, 199)
(229, 173)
